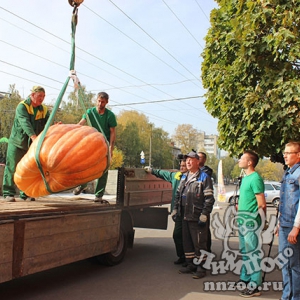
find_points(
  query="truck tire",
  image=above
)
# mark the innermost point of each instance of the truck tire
(115, 257)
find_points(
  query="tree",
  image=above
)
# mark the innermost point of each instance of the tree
(212, 162)
(79, 95)
(117, 159)
(228, 164)
(131, 145)
(161, 149)
(7, 107)
(269, 170)
(251, 71)
(186, 137)
(236, 172)
(134, 133)
(69, 113)
(72, 110)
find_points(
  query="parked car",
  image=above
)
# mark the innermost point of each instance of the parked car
(272, 194)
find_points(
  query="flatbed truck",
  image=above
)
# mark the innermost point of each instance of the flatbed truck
(63, 228)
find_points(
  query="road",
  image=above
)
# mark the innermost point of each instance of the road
(147, 273)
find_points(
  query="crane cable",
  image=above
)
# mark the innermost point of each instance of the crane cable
(81, 97)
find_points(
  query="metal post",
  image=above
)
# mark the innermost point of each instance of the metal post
(150, 151)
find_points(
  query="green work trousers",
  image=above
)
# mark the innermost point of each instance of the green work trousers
(13, 156)
(100, 185)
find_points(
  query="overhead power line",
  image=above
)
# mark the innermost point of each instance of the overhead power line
(152, 85)
(94, 56)
(182, 24)
(158, 101)
(154, 40)
(202, 10)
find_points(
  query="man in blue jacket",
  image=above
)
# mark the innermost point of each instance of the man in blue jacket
(289, 222)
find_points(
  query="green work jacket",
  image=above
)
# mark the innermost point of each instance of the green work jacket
(172, 177)
(28, 121)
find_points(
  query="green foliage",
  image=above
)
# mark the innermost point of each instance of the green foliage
(236, 172)
(186, 137)
(7, 107)
(212, 162)
(228, 164)
(161, 149)
(117, 159)
(269, 170)
(133, 136)
(251, 71)
(131, 145)
(71, 111)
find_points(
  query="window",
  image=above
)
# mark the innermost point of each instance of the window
(268, 187)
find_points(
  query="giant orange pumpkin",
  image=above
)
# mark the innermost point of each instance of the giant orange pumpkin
(70, 155)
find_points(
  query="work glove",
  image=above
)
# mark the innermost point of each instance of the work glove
(202, 220)
(174, 215)
(148, 169)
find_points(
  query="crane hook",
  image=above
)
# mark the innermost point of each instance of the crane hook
(74, 3)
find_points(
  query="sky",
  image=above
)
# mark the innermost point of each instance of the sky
(145, 54)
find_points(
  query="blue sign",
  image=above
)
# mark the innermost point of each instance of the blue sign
(143, 160)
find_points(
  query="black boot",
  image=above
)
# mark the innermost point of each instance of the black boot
(190, 267)
(200, 272)
(179, 261)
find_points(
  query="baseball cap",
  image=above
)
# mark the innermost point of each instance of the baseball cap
(192, 155)
(37, 89)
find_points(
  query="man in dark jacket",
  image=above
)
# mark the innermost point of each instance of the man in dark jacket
(30, 119)
(174, 179)
(194, 202)
(208, 171)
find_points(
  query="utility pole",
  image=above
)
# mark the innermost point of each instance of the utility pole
(150, 151)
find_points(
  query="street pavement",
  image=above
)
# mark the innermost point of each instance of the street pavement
(147, 273)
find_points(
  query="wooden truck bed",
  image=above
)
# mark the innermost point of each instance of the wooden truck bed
(62, 228)
(40, 235)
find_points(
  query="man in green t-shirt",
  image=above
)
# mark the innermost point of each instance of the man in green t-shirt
(251, 212)
(100, 115)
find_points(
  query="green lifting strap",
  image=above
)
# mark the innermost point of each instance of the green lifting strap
(57, 104)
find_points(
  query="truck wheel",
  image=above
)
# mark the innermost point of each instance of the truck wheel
(115, 257)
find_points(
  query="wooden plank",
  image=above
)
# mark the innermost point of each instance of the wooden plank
(147, 198)
(5, 272)
(18, 248)
(35, 208)
(47, 261)
(6, 252)
(6, 232)
(67, 240)
(51, 226)
(54, 242)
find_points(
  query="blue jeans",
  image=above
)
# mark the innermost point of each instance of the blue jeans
(291, 270)
(250, 249)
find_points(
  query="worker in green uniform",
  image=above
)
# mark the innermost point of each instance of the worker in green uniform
(30, 119)
(174, 178)
(107, 120)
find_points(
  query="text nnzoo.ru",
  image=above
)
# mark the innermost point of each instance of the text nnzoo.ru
(212, 286)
